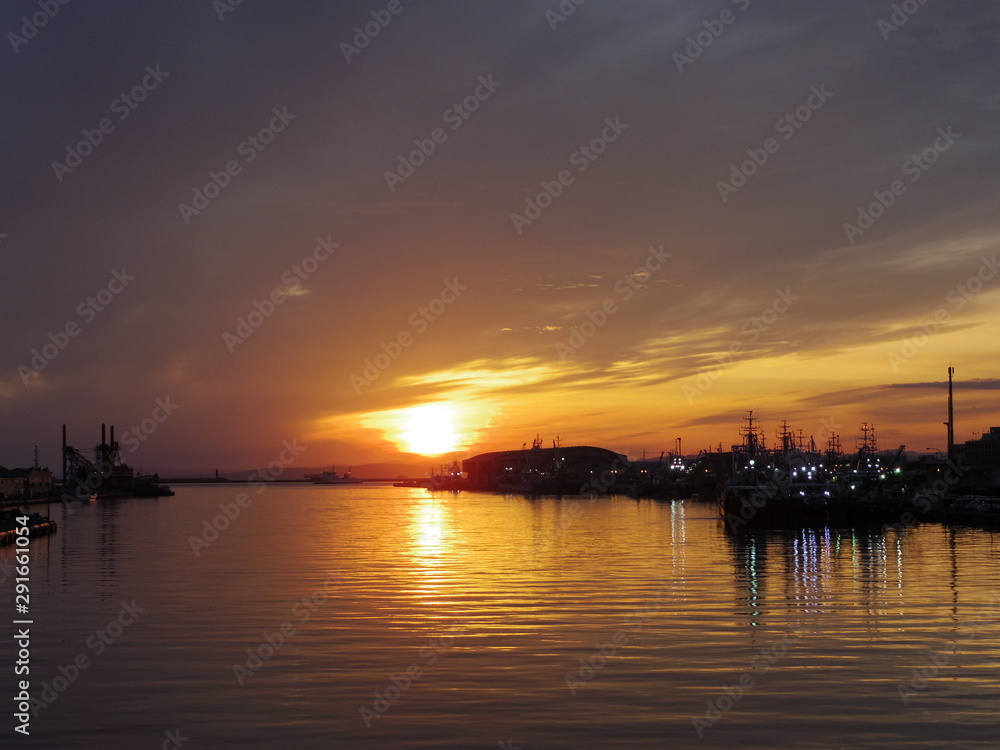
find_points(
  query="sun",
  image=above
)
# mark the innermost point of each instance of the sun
(436, 427)
(430, 430)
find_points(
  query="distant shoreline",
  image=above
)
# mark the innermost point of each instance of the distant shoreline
(224, 480)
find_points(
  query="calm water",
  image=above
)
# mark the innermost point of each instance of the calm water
(488, 610)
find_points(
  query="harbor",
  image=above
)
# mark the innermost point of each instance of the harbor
(501, 375)
(794, 483)
(747, 567)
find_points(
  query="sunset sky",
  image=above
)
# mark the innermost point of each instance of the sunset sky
(704, 159)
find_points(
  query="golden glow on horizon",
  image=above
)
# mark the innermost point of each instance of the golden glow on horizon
(639, 403)
(436, 428)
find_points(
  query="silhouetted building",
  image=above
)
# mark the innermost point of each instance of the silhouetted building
(576, 469)
(981, 459)
(33, 482)
(38, 481)
(983, 452)
(11, 483)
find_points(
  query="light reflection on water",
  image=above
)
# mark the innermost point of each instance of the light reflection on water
(493, 601)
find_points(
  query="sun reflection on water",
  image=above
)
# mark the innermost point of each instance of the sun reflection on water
(429, 532)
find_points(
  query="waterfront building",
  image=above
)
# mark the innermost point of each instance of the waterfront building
(983, 452)
(580, 468)
(33, 482)
(983, 458)
(11, 483)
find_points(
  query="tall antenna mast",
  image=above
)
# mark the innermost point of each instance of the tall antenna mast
(951, 415)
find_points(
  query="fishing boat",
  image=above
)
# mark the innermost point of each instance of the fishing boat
(36, 524)
(541, 473)
(449, 479)
(789, 486)
(796, 485)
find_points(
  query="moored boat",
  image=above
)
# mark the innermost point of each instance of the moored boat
(795, 485)
(36, 524)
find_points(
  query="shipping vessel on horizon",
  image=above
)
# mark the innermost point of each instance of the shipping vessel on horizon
(332, 477)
